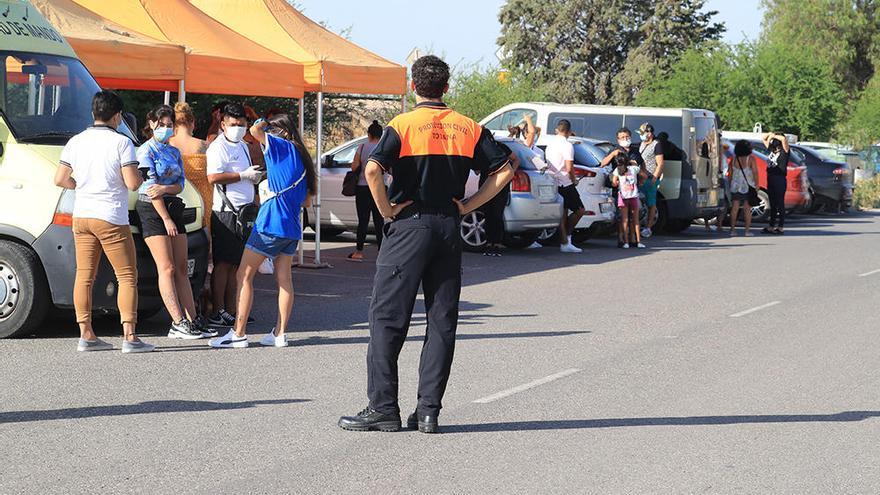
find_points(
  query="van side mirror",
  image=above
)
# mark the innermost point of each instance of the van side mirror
(1, 149)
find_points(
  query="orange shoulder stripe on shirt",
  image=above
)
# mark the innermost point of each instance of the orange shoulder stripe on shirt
(436, 131)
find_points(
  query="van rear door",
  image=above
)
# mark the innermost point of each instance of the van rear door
(706, 160)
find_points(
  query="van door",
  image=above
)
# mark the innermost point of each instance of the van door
(706, 159)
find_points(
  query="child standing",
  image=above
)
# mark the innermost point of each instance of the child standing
(626, 177)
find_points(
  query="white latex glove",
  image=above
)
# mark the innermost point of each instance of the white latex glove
(252, 175)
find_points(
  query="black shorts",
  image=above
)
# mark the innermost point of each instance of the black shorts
(151, 223)
(226, 245)
(571, 199)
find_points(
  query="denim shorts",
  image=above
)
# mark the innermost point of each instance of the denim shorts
(649, 188)
(271, 246)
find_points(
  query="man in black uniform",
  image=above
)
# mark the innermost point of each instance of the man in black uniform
(430, 152)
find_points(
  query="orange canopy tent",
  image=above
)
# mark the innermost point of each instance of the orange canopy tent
(116, 57)
(332, 63)
(218, 60)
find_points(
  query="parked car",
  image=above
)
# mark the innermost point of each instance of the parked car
(534, 202)
(691, 187)
(831, 182)
(797, 194)
(601, 212)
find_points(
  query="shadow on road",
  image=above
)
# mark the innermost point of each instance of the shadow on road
(576, 424)
(149, 407)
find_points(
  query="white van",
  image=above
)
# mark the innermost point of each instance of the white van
(691, 186)
(45, 98)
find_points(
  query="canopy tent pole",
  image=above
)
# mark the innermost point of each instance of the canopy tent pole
(181, 91)
(168, 97)
(302, 227)
(319, 145)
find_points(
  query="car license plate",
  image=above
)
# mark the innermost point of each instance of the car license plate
(190, 267)
(547, 193)
(606, 207)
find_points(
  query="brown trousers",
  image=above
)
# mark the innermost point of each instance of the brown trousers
(91, 238)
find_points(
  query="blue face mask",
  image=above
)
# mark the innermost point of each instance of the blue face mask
(163, 134)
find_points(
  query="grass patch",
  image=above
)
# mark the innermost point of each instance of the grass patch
(867, 193)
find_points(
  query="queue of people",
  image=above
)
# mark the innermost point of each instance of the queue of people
(102, 166)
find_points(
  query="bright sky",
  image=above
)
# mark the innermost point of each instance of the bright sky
(392, 28)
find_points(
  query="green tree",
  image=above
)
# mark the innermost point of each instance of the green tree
(784, 88)
(577, 47)
(842, 33)
(862, 128)
(671, 28)
(477, 92)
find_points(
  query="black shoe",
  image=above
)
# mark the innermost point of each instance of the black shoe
(423, 423)
(370, 420)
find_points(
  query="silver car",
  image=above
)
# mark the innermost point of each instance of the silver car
(534, 202)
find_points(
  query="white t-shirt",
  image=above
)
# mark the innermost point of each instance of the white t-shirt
(225, 156)
(97, 156)
(559, 150)
(629, 182)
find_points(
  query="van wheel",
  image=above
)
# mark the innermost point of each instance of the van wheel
(473, 231)
(24, 291)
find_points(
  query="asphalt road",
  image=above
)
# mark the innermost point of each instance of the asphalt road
(706, 364)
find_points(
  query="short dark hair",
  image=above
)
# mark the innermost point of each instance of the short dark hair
(742, 148)
(564, 125)
(624, 130)
(430, 75)
(106, 104)
(234, 110)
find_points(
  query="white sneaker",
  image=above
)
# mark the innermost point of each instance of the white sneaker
(626, 246)
(641, 246)
(271, 340)
(646, 232)
(229, 340)
(570, 248)
(535, 245)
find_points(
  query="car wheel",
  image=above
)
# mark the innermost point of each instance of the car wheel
(473, 231)
(549, 237)
(24, 291)
(521, 240)
(761, 211)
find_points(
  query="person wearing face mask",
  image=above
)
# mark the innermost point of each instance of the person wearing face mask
(161, 217)
(100, 165)
(626, 148)
(652, 154)
(234, 179)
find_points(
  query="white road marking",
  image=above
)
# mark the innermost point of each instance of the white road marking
(300, 294)
(526, 386)
(868, 274)
(756, 308)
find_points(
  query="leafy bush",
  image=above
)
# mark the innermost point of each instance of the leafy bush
(867, 193)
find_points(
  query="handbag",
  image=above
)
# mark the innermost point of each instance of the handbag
(754, 200)
(245, 216)
(350, 182)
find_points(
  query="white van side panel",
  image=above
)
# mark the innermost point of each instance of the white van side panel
(27, 192)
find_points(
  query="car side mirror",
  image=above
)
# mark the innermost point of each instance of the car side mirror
(328, 161)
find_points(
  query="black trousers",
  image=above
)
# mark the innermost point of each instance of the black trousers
(493, 211)
(366, 206)
(419, 249)
(776, 185)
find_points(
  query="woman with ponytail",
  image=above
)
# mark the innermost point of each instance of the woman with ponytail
(364, 202)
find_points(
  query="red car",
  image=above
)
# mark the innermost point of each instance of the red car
(797, 192)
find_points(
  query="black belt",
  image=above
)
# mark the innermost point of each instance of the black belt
(416, 209)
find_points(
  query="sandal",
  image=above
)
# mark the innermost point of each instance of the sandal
(356, 256)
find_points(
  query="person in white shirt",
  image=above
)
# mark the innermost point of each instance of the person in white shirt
(100, 165)
(234, 179)
(560, 158)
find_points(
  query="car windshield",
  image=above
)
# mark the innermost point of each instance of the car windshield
(587, 155)
(47, 98)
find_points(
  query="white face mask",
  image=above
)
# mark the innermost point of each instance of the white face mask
(625, 143)
(235, 133)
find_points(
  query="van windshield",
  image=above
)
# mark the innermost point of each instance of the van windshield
(47, 98)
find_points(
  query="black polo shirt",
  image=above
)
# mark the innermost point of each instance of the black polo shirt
(430, 152)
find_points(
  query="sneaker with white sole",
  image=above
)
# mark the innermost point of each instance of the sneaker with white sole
(93, 345)
(201, 324)
(570, 248)
(272, 340)
(641, 246)
(625, 245)
(230, 340)
(646, 232)
(221, 319)
(535, 245)
(185, 330)
(136, 347)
